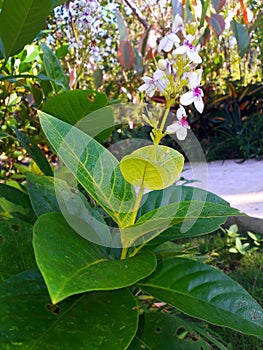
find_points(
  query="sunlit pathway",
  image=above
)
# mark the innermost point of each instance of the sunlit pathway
(241, 184)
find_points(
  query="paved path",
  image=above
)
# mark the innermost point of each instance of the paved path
(241, 184)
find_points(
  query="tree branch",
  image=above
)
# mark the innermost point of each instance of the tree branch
(137, 13)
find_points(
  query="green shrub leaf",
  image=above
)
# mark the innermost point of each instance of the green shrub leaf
(20, 23)
(203, 292)
(200, 226)
(54, 70)
(186, 213)
(93, 166)
(35, 152)
(156, 172)
(15, 203)
(16, 250)
(72, 106)
(158, 330)
(93, 321)
(72, 265)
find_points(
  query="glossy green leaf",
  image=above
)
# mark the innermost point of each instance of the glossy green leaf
(206, 293)
(158, 330)
(156, 171)
(54, 70)
(93, 321)
(54, 195)
(16, 250)
(3, 135)
(197, 227)
(72, 265)
(241, 34)
(95, 168)
(16, 203)
(35, 153)
(186, 213)
(42, 193)
(72, 106)
(20, 23)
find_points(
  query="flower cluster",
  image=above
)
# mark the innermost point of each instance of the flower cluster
(177, 71)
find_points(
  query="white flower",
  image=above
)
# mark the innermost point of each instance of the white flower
(189, 49)
(178, 24)
(196, 94)
(158, 81)
(179, 127)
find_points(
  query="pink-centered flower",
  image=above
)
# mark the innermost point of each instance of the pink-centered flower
(180, 126)
(158, 81)
(178, 24)
(189, 49)
(170, 40)
(195, 94)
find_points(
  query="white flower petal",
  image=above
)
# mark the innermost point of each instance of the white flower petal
(199, 73)
(180, 113)
(158, 74)
(174, 38)
(143, 87)
(181, 133)
(193, 80)
(187, 98)
(194, 57)
(173, 127)
(162, 44)
(180, 50)
(150, 92)
(199, 104)
(177, 23)
(147, 80)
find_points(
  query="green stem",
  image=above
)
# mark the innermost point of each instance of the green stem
(169, 103)
(141, 191)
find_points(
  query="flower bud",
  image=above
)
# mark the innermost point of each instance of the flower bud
(162, 64)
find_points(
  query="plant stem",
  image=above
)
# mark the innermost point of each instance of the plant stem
(142, 188)
(169, 103)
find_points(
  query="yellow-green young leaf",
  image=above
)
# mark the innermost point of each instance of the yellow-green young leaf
(152, 168)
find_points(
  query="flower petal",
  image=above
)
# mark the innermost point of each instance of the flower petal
(199, 104)
(143, 87)
(174, 38)
(193, 80)
(162, 44)
(173, 127)
(187, 98)
(180, 50)
(181, 133)
(180, 113)
(194, 57)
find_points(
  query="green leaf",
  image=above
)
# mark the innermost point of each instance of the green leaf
(140, 168)
(3, 135)
(93, 166)
(203, 292)
(35, 153)
(16, 203)
(42, 193)
(186, 213)
(54, 70)
(16, 250)
(121, 26)
(242, 36)
(72, 265)
(20, 23)
(163, 331)
(199, 226)
(93, 321)
(72, 106)
(54, 195)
